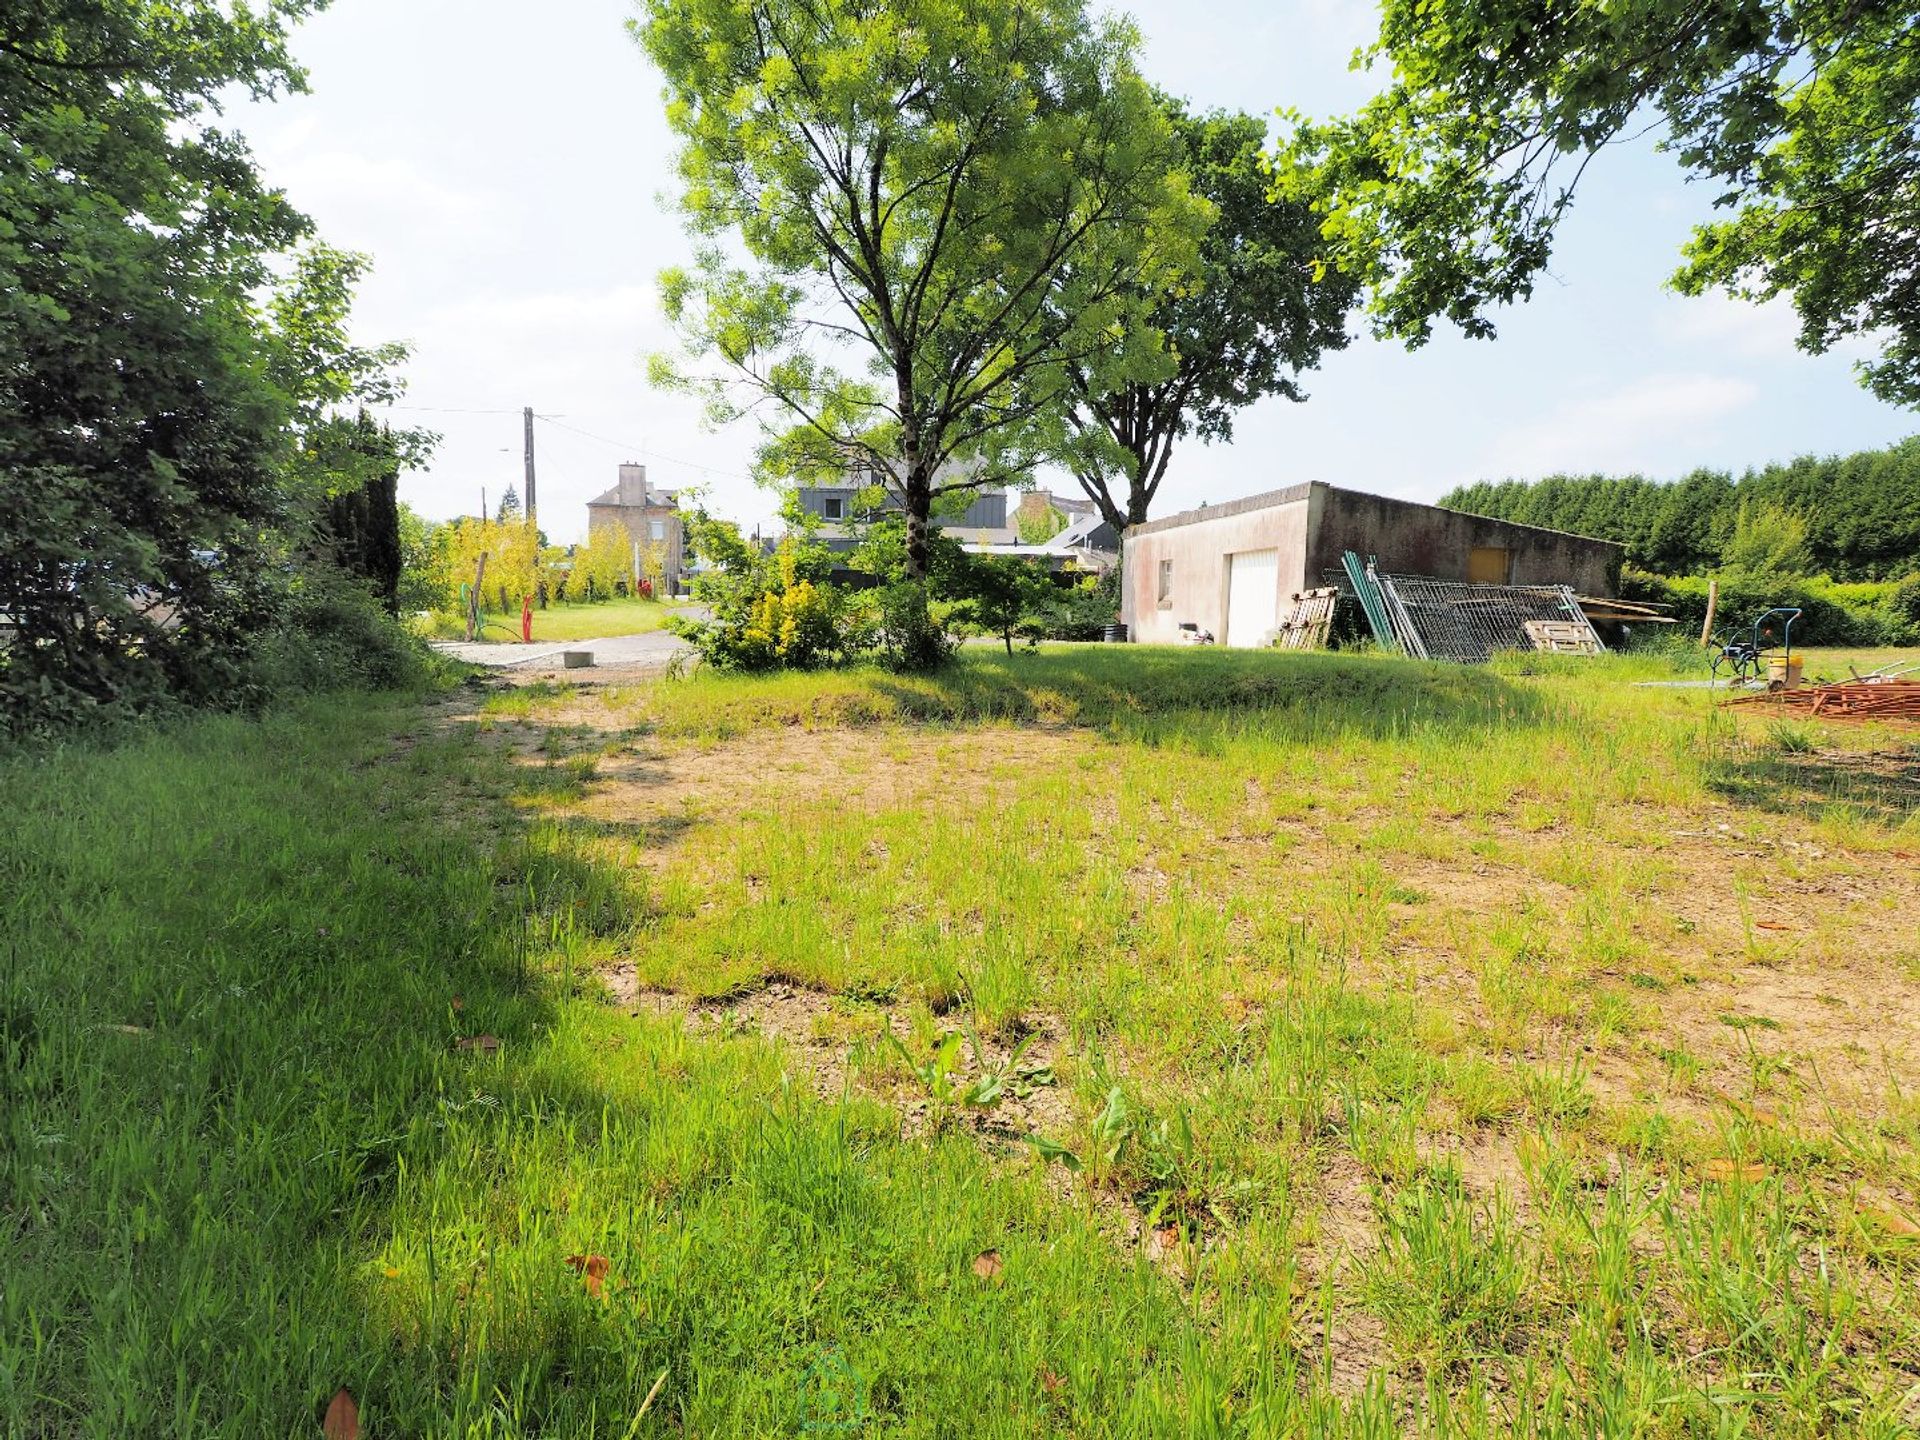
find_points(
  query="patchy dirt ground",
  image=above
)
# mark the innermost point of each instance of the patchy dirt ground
(1727, 963)
(1806, 952)
(830, 1035)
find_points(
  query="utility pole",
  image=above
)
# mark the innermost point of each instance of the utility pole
(532, 504)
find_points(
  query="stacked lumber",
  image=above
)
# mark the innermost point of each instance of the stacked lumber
(1624, 612)
(1897, 700)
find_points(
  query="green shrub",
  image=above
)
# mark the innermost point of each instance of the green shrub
(1881, 612)
(766, 611)
(334, 634)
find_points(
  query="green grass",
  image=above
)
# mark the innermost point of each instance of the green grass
(570, 622)
(1136, 689)
(1352, 982)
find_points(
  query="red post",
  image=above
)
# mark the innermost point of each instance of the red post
(526, 619)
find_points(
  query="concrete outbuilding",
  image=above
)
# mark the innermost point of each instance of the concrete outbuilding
(1228, 569)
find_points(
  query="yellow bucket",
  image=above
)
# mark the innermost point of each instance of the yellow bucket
(1785, 674)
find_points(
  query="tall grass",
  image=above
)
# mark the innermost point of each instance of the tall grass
(1346, 1162)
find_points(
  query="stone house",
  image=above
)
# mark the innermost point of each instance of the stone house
(648, 517)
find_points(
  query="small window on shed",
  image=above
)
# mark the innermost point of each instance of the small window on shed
(1166, 584)
(834, 507)
(1489, 565)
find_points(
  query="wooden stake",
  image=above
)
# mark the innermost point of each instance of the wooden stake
(1713, 600)
(473, 608)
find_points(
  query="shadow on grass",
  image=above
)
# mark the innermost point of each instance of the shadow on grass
(1154, 694)
(1145, 692)
(1882, 787)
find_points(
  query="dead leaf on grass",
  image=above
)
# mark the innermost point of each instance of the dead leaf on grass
(459, 1002)
(342, 1421)
(478, 1044)
(128, 1029)
(1051, 1381)
(988, 1265)
(1723, 1171)
(1892, 1221)
(592, 1270)
(1772, 925)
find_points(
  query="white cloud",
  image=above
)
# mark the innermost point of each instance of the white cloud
(1740, 329)
(362, 200)
(574, 355)
(1644, 425)
(1732, 327)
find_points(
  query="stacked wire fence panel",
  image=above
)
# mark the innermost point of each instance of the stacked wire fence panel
(1454, 620)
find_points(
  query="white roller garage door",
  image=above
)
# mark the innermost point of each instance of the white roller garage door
(1253, 597)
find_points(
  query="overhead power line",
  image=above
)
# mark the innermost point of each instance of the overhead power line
(624, 446)
(450, 410)
(627, 448)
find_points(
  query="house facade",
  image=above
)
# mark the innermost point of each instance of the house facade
(646, 517)
(1229, 569)
(838, 509)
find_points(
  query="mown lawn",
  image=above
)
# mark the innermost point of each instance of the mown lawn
(594, 621)
(1096, 1042)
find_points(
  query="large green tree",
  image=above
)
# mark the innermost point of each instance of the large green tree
(1261, 309)
(137, 434)
(921, 217)
(172, 367)
(1446, 189)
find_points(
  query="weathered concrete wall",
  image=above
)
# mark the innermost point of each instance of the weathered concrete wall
(1198, 543)
(1310, 525)
(1414, 539)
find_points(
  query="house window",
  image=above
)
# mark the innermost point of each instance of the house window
(1166, 584)
(657, 529)
(834, 508)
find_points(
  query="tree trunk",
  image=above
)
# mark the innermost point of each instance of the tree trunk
(1140, 491)
(919, 499)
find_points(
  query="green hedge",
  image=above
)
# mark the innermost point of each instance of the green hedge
(1884, 612)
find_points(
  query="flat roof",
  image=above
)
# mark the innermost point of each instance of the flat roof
(1294, 494)
(1291, 495)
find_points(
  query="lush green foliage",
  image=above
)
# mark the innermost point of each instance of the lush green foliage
(1003, 596)
(947, 206)
(1445, 190)
(1861, 511)
(765, 610)
(362, 522)
(166, 436)
(1834, 612)
(1259, 310)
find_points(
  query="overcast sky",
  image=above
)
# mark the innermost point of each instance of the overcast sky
(504, 165)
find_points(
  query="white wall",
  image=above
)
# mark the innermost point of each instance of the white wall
(1198, 551)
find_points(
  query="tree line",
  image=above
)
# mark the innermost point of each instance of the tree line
(1860, 513)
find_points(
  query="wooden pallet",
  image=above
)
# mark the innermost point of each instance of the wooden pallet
(1309, 622)
(1563, 637)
